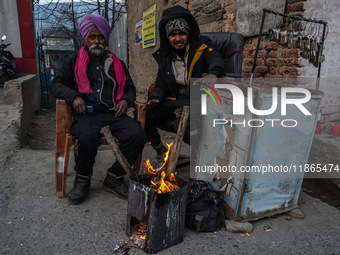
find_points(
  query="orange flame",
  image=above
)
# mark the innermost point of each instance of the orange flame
(159, 183)
(150, 168)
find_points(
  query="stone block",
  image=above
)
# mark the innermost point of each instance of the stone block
(212, 7)
(204, 19)
(238, 227)
(198, 4)
(296, 213)
(215, 26)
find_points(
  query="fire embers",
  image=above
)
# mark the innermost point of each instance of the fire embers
(139, 234)
(161, 183)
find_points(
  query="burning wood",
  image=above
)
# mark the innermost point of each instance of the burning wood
(160, 183)
(139, 234)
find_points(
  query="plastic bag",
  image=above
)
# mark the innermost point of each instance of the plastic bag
(204, 212)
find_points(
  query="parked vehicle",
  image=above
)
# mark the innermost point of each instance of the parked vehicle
(8, 65)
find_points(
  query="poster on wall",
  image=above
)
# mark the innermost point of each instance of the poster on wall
(138, 32)
(149, 26)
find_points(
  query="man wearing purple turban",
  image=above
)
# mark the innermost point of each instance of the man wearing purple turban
(100, 89)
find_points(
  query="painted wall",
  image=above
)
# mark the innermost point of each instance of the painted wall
(9, 26)
(17, 23)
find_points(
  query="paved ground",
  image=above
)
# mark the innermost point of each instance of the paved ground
(35, 221)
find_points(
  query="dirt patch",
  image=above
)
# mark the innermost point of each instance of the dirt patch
(42, 131)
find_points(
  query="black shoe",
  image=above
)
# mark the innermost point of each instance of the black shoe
(80, 190)
(160, 149)
(116, 185)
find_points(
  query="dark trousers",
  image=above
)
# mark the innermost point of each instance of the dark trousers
(86, 129)
(159, 116)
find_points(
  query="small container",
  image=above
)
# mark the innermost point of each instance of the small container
(89, 108)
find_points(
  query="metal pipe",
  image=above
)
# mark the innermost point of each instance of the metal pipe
(257, 47)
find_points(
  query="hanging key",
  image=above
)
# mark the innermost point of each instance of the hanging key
(295, 36)
(284, 37)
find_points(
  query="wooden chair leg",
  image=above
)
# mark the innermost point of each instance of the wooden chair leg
(63, 144)
(68, 145)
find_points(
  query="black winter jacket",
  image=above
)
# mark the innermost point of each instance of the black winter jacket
(64, 85)
(203, 58)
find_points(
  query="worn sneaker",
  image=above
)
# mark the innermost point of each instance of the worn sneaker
(80, 189)
(116, 185)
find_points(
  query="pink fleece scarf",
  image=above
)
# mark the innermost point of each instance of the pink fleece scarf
(80, 69)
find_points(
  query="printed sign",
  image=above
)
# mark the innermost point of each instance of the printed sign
(149, 26)
(138, 32)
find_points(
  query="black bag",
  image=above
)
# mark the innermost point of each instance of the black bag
(204, 212)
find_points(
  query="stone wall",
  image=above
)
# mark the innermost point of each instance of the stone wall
(142, 66)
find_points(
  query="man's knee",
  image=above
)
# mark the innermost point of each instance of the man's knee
(90, 140)
(139, 135)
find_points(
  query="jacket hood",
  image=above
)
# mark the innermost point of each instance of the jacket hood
(177, 12)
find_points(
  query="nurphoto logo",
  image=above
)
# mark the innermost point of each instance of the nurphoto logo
(239, 104)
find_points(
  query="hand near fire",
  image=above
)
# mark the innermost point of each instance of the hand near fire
(209, 79)
(150, 104)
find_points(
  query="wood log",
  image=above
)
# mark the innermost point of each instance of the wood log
(176, 148)
(117, 153)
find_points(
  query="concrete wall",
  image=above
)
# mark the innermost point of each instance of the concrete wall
(328, 10)
(24, 93)
(9, 26)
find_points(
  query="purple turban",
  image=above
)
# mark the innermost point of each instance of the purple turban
(89, 21)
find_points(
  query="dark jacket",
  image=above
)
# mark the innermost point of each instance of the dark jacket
(64, 85)
(203, 58)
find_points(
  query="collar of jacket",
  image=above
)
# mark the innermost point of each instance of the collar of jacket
(197, 56)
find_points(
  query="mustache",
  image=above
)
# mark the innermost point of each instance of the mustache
(97, 46)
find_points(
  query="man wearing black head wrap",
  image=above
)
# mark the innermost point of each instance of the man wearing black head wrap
(183, 54)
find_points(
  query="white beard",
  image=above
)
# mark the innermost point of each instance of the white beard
(97, 50)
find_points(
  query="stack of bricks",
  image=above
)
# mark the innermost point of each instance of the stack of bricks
(273, 60)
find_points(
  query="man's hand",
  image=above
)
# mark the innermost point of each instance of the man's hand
(121, 108)
(150, 104)
(209, 79)
(78, 105)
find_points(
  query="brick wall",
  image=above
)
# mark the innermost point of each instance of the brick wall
(273, 60)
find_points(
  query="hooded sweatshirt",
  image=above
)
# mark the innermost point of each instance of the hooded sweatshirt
(203, 58)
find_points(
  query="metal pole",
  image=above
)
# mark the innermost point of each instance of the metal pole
(257, 48)
(320, 54)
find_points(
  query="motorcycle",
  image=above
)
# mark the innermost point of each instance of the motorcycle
(8, 65)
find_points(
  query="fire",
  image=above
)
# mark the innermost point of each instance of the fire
(159, 182)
